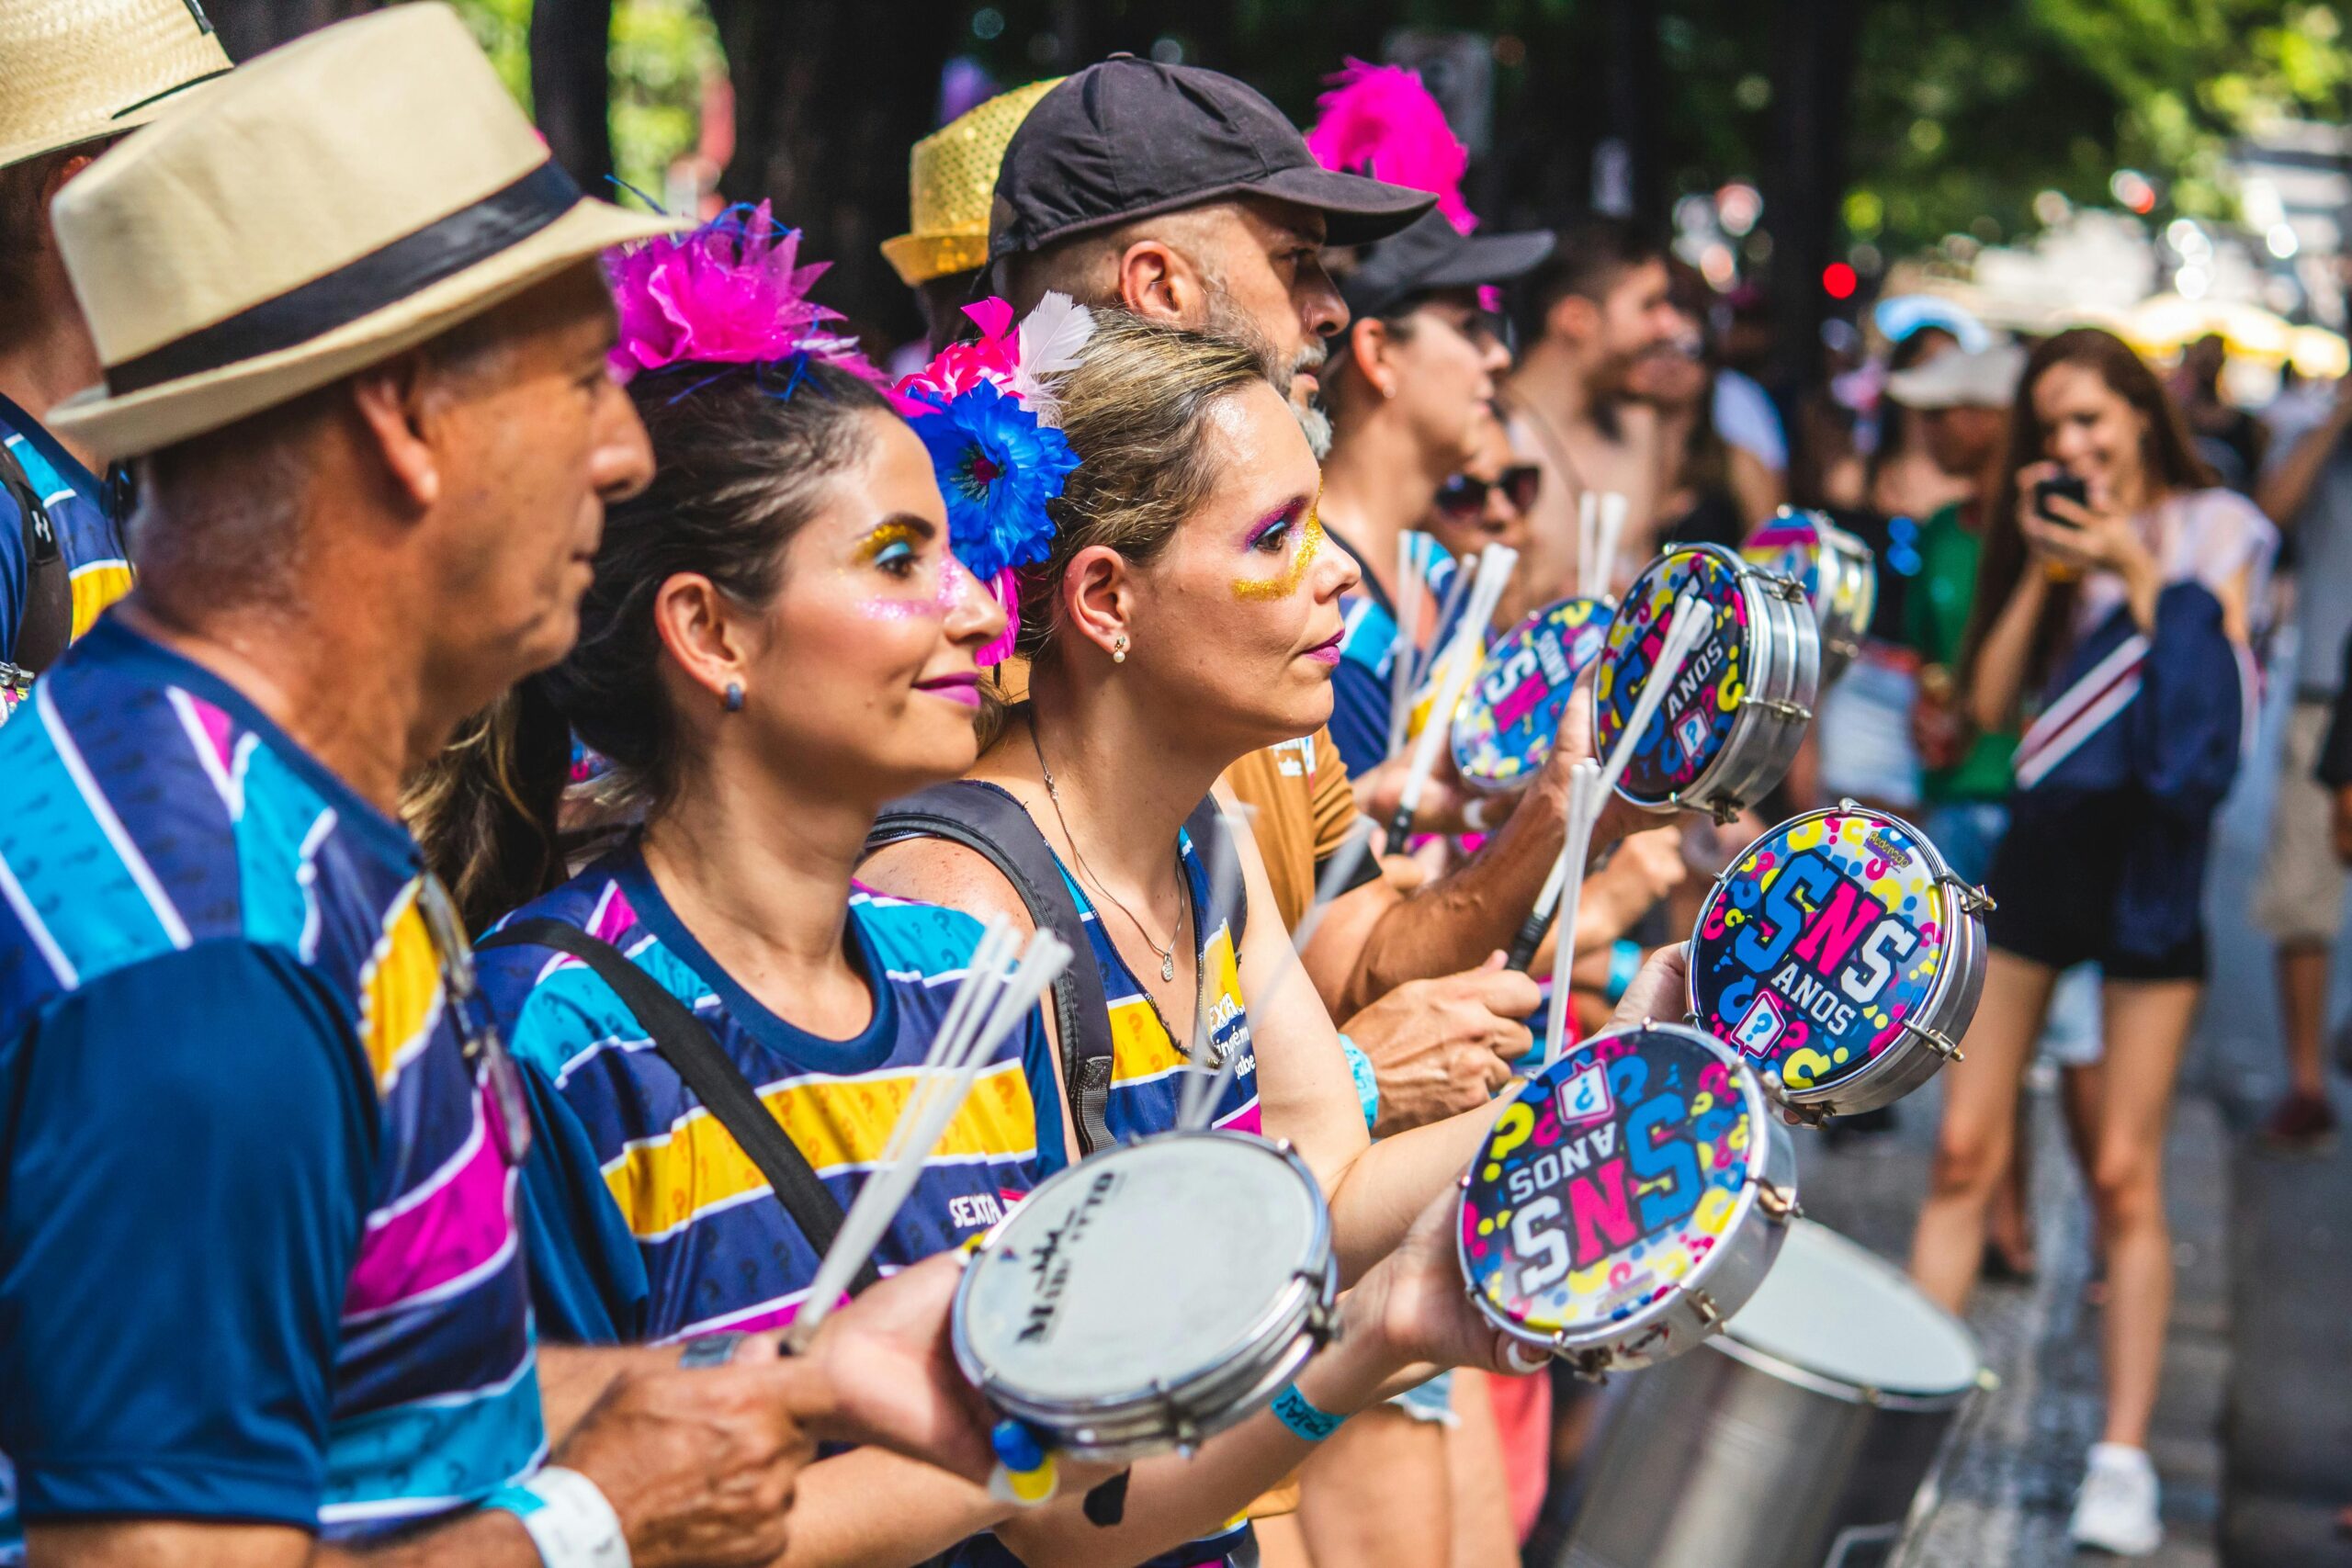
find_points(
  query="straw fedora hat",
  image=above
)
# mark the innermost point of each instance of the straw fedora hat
(74, 71)
(953, 181)
(318, 211)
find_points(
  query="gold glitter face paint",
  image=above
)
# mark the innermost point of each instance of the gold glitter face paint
(880, 542)
(1257, 590)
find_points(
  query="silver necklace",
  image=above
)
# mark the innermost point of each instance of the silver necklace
(1054, 795)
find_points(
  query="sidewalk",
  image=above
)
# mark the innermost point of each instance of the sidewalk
(2009, 1475)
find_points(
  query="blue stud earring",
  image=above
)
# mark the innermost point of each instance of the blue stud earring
(734, 696)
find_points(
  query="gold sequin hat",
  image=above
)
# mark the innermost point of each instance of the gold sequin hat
(77, 71)
(952, 181)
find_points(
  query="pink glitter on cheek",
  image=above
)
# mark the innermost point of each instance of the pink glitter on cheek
(897, 610)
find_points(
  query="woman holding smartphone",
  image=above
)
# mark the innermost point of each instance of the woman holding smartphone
(2114, 610)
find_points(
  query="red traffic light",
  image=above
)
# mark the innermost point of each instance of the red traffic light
(1837, 281)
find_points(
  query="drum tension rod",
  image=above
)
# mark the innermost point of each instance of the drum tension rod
(1794, 712)
(1968, 896)
(1938, 1043)
(1780, 1203)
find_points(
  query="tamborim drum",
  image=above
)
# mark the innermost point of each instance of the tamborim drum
(1151, 1296)
(1730, 726)
(1836, 571)
(1503, 730)
(1805, 1436)
(1628, 1200)
(1841, 958)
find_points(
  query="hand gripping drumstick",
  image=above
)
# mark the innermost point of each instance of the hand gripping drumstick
(1683, 634)
(1402, 672)
(1458, 663)
(987, 1009)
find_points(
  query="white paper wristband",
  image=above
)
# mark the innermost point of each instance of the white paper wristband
(568, 1519)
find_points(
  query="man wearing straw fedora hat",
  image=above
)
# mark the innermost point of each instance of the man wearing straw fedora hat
(260, 1283)
(74, 75)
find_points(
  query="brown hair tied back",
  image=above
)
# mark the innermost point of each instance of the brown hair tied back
(1136, 411)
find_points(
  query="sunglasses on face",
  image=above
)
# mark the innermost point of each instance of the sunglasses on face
(1464, 498)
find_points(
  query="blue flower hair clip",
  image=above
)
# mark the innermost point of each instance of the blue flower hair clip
(991, 423)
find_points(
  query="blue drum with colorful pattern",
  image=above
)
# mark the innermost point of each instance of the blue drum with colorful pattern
(1841, 958)
(1628, 1200)
(1504, 728)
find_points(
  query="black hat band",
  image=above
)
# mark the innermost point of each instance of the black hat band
(442, 249)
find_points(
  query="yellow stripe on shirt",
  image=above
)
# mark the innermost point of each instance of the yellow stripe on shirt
(664, 1183)
(96, 586)
(400, 990)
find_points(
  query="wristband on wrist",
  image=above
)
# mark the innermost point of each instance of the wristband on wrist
(568, 1517)
(1293, 1411)
(1624, 962)
(1367, 1081)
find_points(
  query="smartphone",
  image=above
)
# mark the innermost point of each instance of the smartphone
(2072, 487)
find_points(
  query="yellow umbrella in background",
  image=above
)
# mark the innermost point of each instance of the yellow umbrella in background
(2166, 324)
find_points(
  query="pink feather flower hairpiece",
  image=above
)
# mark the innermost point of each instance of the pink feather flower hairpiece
(733, 291)
(1381, 121)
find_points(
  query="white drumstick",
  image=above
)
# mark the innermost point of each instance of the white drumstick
(925, 1119)
(1691, 621)
(1457, 664)
(1683, 634)
(1588, 542)
(1613, 508)
(1466, 567)
(1401, 663)
(1584, 797)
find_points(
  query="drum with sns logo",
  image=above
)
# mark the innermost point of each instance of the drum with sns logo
(1150, 1297)
(1730, 726)
(1629, 1200)
(1504, 728)
(1841, 958)
(1836, 571)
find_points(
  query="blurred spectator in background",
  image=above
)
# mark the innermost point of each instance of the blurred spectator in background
(2229, 438)
(1708, 487)
(1904, 479)
(1742, 411)
(1588, 316)
(2307, 489)
(1960, 403)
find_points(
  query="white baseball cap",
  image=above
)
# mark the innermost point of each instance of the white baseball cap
(1957, 378)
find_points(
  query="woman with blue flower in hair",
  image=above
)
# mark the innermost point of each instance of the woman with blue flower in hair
(778, 639)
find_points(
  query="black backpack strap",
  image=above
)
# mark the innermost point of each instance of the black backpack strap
(718, 1083)
(46, 624)
(1213, 841)
(990, 823)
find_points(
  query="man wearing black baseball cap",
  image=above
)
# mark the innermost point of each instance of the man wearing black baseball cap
(1184, 195)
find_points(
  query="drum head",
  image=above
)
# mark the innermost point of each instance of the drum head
(1503, 731)
(1697, 718)
(1157, 1261)
(1612, 1176)
(1823, 937)
(1840, 1311)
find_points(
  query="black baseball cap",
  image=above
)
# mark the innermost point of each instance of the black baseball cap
(1129, 137)
(1431, 254)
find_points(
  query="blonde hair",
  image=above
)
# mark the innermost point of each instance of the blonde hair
(1136, 411)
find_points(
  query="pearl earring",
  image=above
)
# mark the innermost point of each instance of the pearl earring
(1119, 650)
